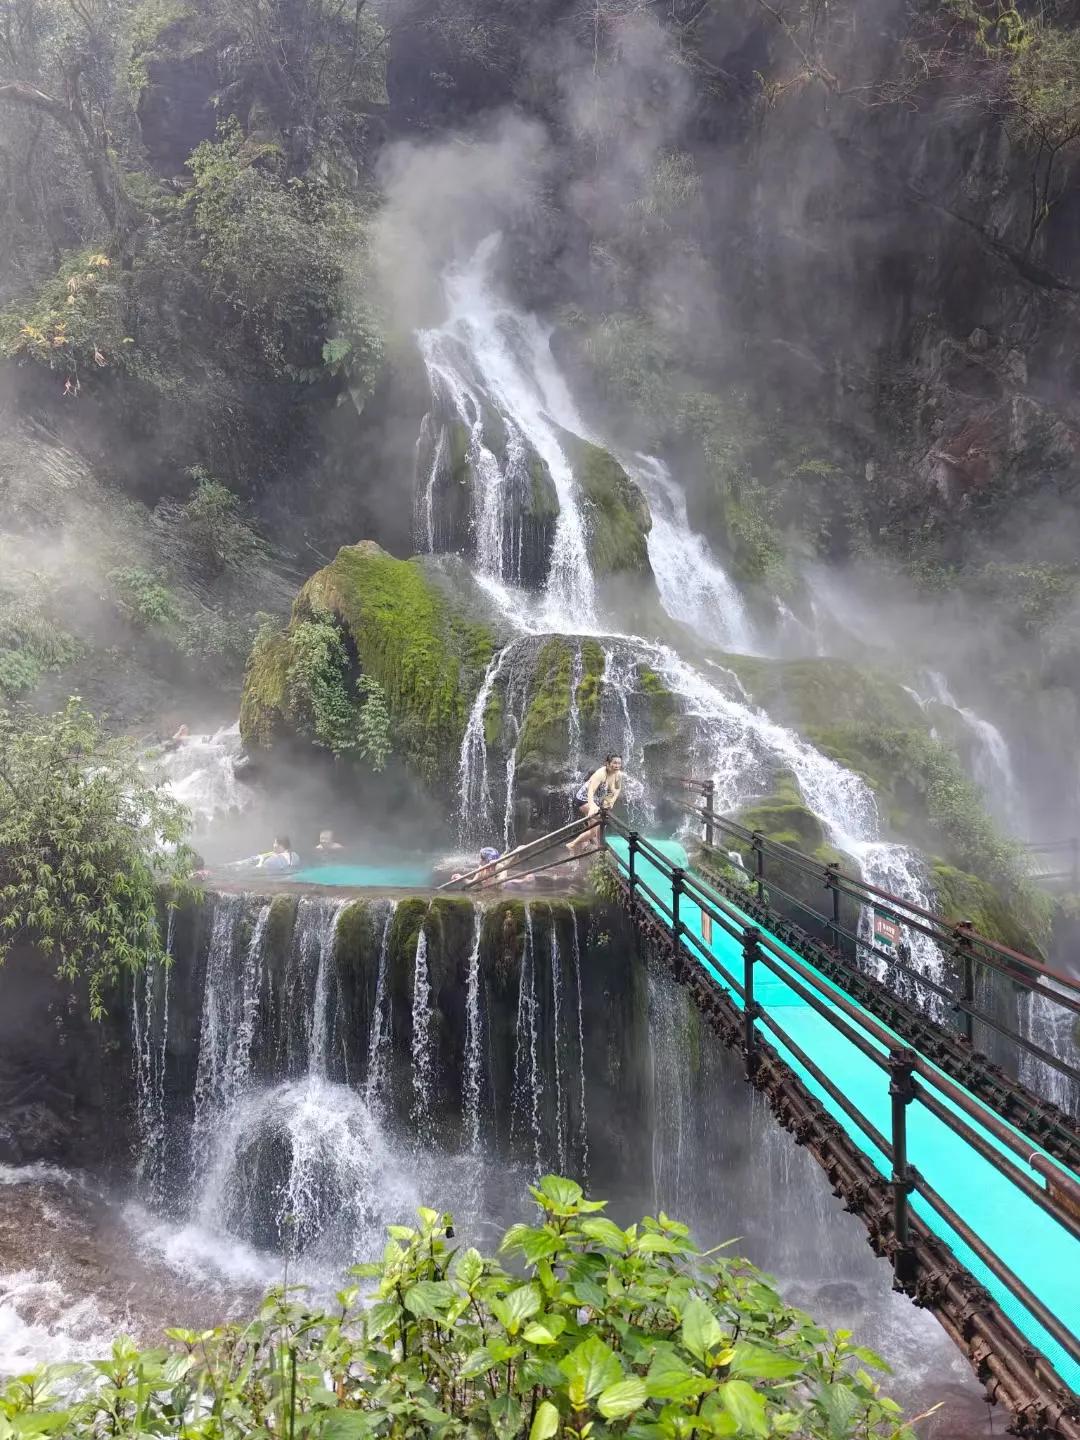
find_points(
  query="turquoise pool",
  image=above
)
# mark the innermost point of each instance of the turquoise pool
(401, 875)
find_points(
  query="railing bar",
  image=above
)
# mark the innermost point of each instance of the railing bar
(1009, 1278)
(1006, 1167)
(538, 846)
(860, 889)
(868, 1128)
(685, 933)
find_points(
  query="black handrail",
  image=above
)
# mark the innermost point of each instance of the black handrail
(827, 1001)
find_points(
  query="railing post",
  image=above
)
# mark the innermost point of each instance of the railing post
(967, 962)
(902, 1092)
(758, 842)
(710, 811)
(677, 877)
(832, 878)
(751, 1009)
(631, 869)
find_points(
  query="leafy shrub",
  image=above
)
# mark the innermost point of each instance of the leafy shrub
(373, 742)
(611, 1332)
(214, 527)
(144, 596)
(75, 322)
(320, 702)
(19, 671)
(86, 840)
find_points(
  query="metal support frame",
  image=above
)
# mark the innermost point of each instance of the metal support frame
(751, 1009)
(902, 1091)
(677, 877)
(966, 957)
(758, 842)
(709, 789)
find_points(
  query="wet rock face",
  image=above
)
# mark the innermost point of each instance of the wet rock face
(175, 106)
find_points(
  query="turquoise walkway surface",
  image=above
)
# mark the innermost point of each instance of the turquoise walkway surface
(1022, 1235)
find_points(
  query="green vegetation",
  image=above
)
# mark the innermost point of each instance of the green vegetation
(83, 857)
(75, 323)
(144, 596)
(406, 634)
(30, 643)
(609, 1332)
(214, 528)
(287, 256)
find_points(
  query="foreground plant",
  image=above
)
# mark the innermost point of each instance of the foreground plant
(602, 1332)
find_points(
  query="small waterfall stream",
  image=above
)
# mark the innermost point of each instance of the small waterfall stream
(474, 1041)
(423, 1062)
(379, 1037)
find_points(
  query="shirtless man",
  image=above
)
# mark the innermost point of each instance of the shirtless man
(600, 792)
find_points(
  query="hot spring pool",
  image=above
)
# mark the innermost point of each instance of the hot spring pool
(401, 875)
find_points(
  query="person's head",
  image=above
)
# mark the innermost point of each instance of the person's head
(281, 844)
(488, 855)
(326, 837)
(613, 762)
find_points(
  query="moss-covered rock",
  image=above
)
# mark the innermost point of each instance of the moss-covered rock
(406, 627)
(1020, 920)
(617, 511)
(815, 693)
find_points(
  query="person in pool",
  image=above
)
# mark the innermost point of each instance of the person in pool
(327, 842)
(599, 793)
(275, 861)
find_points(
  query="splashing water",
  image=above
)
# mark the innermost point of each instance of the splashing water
(474, 789)
(528, 1077)
(319, 1034)
(991, 761)
(1053, 1028)
(150, 1038)
(201, 772)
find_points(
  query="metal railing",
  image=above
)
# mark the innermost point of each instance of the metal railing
(911, 1078)
(530, 859)
(959, 939)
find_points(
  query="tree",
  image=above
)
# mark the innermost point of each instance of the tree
(87, 845)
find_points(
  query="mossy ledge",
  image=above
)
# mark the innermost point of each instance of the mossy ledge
(617, 511)
(405, 626)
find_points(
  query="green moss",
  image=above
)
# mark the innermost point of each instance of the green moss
(1021, 921)
(460, 441)
(494, 430)
(590, 690)
(544, 728)
(619, 519)
(354, 934)
(784, 817)
(543, 497)
(280, 923)
(663, 706)
(405, 632)
(264, 697)
(493, 719)
(826, 692)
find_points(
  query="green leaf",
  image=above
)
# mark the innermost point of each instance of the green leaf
(516, 1307)
(755, 1362)
(838, 1403)
(545, 1422)
(505, 1413)
(544, 1331)
(622, 1398)
(469, 1268)
(701, 1331)
(428, 1299)
(476, 1362)
(590, 1367)
(670, 1378)
(535, 1243)
(871, 1358)
(605, 1232)
(745, 1405)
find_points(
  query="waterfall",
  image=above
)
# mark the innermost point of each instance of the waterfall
(425, 524)
(225, 1028)
(516, 703)
(556, 1032)
(150, 1040)
(528, 1078)
(319, 1034)
(423, 1060)
(475, 808)
(583, 1120)
(573, 722)
(1053, 1028)
(201, 772)
(693, 586)
(670, 1079)
(474, 1046)
(381, 1034)
(991, 762)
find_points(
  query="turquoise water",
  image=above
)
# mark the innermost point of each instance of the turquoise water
(1022, 1235)
(402, 875)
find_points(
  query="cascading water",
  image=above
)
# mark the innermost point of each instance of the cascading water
(201, 772)
(583, 1117)
(149, 1044)
(693, 586)
(1053, 1028)
(473, 1079)
(319, 1029)
(525, 1110)
(991, 762)
(556, 1036)
(667, 1032)
(474, 788)
(423, 1060)
(379, 1039)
